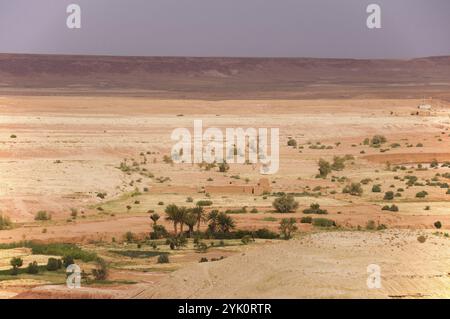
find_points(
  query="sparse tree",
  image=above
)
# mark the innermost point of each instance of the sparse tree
(285, 204)
(287, 227)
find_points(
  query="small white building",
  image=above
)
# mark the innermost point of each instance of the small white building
(424, 107)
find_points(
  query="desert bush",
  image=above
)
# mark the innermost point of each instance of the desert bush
(434, 163)
(246, 239)
(101, 271)
(201, 247)
(354, 189)
(67, 261)
(324, 168)
(204, 203)
(176, 242)
(315, 209)
(285, 204)
(306, 220)
(377, 140)
(376, 188)
(189, 199)
(338, 163)
(287, 227)
(370, 225)
(203, 260)
(33, 268)
(42, 215)
(292, 142)
(392, 208)
(159, 231)
(54, 264)
(242, 210)
(421, 239)
(323, 222)
(167, 159)
(129, 237)
(224, 167)
(163, 259)
(421, 194)
(388, 195)
(5, 222)
(438, 225)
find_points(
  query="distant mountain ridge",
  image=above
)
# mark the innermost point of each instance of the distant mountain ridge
(192, 77)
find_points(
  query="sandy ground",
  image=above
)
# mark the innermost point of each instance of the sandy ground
(67, 149)
(321, 265)
(325, 265)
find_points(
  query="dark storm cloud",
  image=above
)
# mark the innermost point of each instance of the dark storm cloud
(316, 28)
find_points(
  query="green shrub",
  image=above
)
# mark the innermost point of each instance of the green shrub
(285, 204)
(376, 189)
(33, 268)
(129, 237)
(16, 262)
(58, 249)
(421, 194)
(159, 231)
(306, 220)
(42, 215)
(438, 225)
(54, 264)
(370, 225)
(377, 140)
(421, 239)
(354, 189)
(388, 195)
(223, 167)
(101, 271)
(287, 227)
(163, 259)
(292, 142)
(246, 239)
(324, 168)
(204, 203)
(315, 209)
(323, 222)
(5, 222)
(67, 261)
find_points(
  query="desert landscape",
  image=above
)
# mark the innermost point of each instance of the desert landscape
(86, 177)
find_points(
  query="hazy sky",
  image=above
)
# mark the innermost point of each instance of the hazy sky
(297, 28)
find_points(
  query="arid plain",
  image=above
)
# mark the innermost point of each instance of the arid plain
(91, 150)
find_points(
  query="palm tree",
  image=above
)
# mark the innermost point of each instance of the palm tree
(199, 213)
(154, 217)
(212, 219)
(225, 223)
(181, 217)
(190, 219)
(172, 212)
